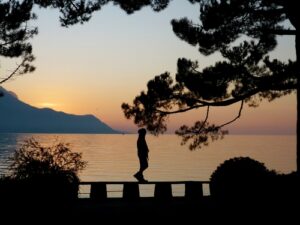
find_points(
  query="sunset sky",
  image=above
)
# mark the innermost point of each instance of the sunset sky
(93, 68)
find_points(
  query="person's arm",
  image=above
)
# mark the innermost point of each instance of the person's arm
(146, 150)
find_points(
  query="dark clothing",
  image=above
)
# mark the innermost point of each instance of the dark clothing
(143, 163)
(142, 153)
(142, 148)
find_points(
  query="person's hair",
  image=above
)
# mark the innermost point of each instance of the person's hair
(142, 131)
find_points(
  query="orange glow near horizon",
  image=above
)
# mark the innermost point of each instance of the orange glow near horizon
(47, 105)
(95, 67)
(276, 117)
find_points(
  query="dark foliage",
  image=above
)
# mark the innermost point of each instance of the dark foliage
(241, 177)
(42, 175)
(241, 79)
(244, 32)
(35, 160)
(222, 22)
(244, 188)
(80, 11)
(15, 33)
(15, 30)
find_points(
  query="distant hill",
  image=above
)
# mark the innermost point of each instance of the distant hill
(19, 117)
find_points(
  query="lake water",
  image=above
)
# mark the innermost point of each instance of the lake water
(114, 157)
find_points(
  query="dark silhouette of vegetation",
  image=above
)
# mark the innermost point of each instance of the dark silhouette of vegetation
(246, 187)
(42, 175)
(15, 30)
(34, 160)
(244, 32)
(247, 75)
(15, 33)
(238, 178)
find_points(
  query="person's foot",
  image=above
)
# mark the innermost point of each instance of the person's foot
(143, 180)
(138, 176)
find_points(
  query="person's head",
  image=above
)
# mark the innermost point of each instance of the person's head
(142, 132)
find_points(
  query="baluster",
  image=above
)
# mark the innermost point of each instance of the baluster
(131, 191)
(98, 191)
(193, 190)
(163, 191)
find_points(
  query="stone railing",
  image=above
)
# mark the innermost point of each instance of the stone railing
(131, 190)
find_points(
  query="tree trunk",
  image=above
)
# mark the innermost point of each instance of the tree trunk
(292, 13)
(298, 99)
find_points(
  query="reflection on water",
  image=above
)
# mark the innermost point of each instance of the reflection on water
(8, 143)
(114, 158)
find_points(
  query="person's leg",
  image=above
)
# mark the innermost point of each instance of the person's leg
(143, 167)
(139, 175)
(143, 164)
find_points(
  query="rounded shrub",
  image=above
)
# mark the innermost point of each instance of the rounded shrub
(240, 178)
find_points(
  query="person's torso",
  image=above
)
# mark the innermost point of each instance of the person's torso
(142, 147)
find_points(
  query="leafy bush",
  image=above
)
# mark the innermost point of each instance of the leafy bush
(240, 178)
(44, 173)
(34, 160)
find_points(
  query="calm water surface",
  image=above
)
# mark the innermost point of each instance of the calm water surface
(114, 158)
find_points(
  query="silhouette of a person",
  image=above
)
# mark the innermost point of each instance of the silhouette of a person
(142, 151)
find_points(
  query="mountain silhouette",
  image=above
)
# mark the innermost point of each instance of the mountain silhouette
(19, 117)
